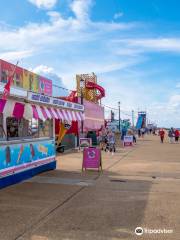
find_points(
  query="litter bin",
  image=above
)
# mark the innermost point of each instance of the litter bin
(92, 135)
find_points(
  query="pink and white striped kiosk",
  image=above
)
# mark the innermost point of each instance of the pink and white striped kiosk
(27, 132)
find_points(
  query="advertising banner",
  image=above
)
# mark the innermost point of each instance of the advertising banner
(7, 70)
(45, 86)
(128, 141)
(17, 157)
(91, 158)
(30, 81)
(63, 128)
(39, 98)
(25, 79)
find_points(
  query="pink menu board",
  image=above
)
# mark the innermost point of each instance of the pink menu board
(92, 158)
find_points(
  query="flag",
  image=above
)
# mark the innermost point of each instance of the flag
(7, 87)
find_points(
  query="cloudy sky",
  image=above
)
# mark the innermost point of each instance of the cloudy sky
(132, 45)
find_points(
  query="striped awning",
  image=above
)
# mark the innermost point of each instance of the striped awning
(19, 110)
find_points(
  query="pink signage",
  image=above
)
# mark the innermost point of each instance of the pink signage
(25, 79)
(94, 116)
(45, 86)
(128, 141)
(91, 158)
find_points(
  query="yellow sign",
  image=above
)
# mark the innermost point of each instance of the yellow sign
(30, 81)
(63, 128)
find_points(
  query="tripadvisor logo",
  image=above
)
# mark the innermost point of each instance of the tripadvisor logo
(139, 231)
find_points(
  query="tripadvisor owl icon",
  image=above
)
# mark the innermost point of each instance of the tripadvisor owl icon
(139, 231)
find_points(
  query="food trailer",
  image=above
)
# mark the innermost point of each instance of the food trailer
(27, 132)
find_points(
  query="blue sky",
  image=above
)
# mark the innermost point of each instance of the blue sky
(133, 46)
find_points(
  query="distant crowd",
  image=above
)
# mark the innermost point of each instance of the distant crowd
(173, 135)
(107, 140)
(143, 131)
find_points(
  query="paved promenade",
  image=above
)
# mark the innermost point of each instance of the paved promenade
(139, 187)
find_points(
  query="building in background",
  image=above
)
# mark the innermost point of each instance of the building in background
(114, 125)
(92, 93)
(89, 94)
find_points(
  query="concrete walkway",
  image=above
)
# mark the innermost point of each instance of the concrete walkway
(139, 187)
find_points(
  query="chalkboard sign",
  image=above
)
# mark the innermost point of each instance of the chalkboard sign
(92, 158)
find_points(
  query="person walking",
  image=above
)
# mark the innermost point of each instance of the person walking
(100, 140)
(176, 134)
(110, 147)
(143, 132)
(162, 134)
(171, 135)
(123, 133)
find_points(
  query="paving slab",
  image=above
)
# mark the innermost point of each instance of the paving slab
(139, 187)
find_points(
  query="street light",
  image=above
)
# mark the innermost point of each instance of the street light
(119, 106)
(82, 84)
(133, 118)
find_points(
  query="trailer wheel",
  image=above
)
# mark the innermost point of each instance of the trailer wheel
(60, 149)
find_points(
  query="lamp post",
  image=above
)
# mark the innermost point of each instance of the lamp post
(133, 118)
(119, 107)
(81, 87)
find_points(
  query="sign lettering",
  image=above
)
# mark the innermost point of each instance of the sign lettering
(54, 101)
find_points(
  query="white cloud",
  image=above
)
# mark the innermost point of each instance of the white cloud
(43, 69)
(118, 15)
(152, 44)
(77, 45)
(178, 85)
(174, 101)
(166, 113)
(54, 16)
(46, 4)
(14, 55)
(50, 73)
(41, 37)
(81, 8)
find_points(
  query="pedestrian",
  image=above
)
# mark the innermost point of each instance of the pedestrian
(154, 131)
(134, 138)
(162, 134)
(110, 147)
(176, 134)
(139, 133)
(123, 133)
(171, 135)
(100, 140)
(143, 131)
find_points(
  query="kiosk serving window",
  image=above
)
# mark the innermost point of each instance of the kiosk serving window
(12, 127)
(22, 128)
(45, 128)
